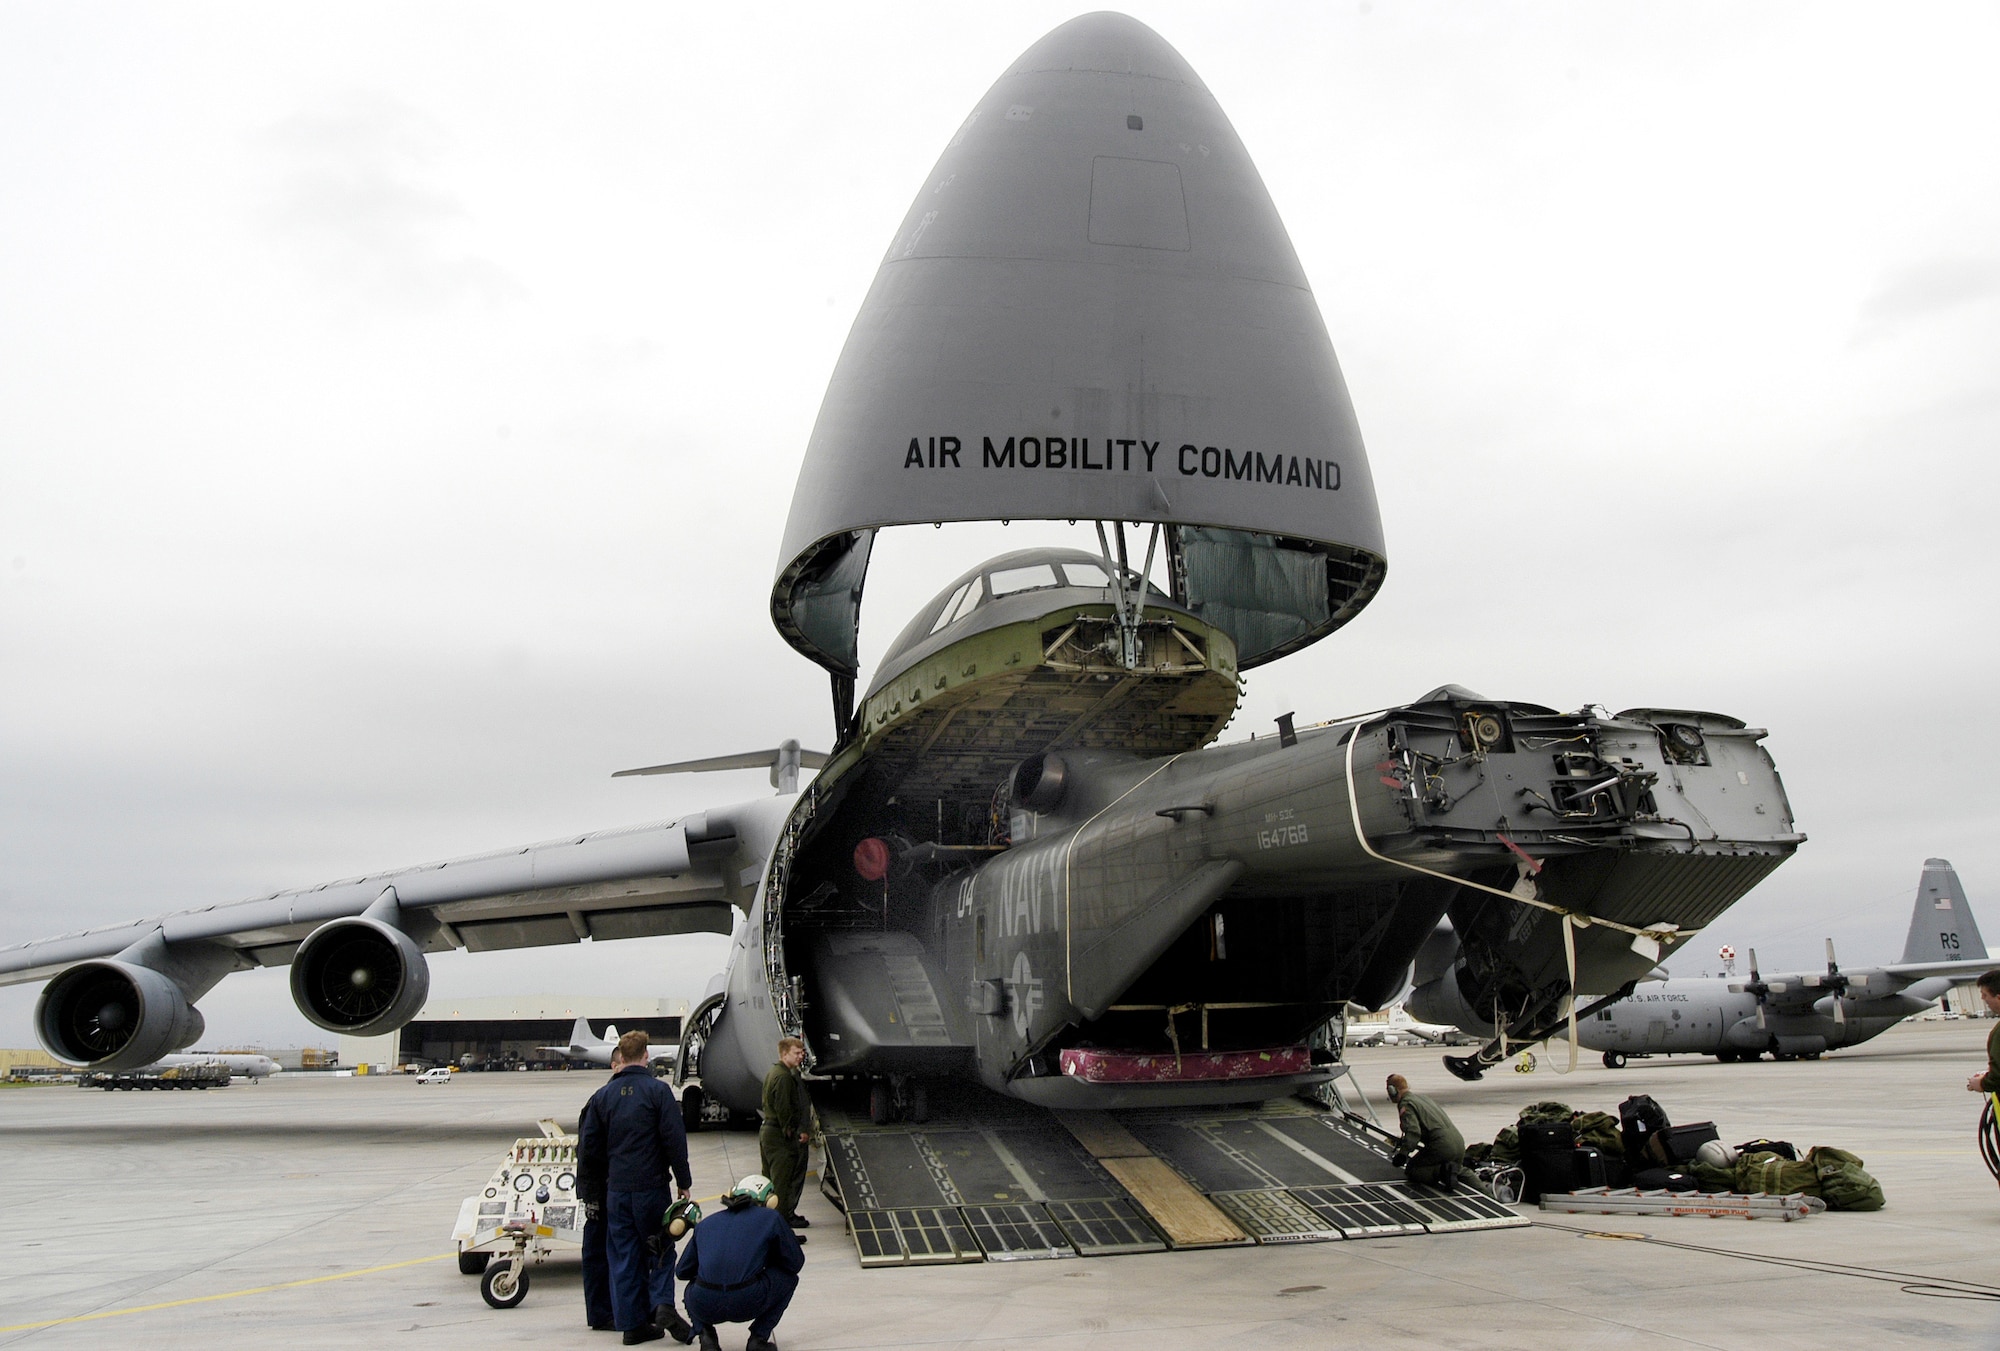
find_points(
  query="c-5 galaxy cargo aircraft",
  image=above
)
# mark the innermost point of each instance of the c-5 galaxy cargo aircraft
(1801, 1014)
(1023, 862)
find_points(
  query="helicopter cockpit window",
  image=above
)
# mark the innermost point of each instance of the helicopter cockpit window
(1034, 577)
(961, 602)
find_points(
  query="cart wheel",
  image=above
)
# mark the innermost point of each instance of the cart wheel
(502, 1286)
(472, 1263)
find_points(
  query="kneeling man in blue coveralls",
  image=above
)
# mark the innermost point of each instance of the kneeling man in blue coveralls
(742, 1265)
(631, 1136)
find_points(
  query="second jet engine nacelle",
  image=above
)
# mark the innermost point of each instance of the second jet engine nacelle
(360, 976)
(1442, 1001)
(112, 1015)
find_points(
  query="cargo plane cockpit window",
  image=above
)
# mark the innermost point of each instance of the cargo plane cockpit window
(961, 603)
(970, 595)
(1094, 575)
(1034, 577)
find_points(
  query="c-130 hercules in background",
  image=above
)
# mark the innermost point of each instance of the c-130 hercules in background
(1023, 863)
(1801, 1014)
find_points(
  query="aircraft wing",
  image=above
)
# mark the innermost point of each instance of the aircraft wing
(1796, 992)
(640, 881)
(1908, 973)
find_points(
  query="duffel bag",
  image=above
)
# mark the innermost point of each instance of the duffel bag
(1639, 1120)
(1843, 1183)
(1599, 1130)
(1662, 1179)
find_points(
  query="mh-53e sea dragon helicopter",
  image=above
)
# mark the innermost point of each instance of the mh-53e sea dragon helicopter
(1023, 862)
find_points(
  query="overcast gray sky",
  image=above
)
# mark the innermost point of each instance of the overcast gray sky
(399, 407)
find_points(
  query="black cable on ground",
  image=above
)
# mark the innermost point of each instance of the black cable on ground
(1911, 1283)
(1989, 1136)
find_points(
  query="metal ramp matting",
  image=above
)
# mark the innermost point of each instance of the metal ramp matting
(994, 1180)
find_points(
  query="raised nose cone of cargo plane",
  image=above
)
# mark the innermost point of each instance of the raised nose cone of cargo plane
(1092, 311)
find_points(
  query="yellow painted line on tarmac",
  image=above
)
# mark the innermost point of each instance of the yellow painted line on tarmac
(233, 1294)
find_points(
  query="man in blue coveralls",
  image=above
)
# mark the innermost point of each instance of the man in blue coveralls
(742, 1265)
(631, 1135)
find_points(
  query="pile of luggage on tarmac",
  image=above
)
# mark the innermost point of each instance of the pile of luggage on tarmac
(1552, 1148)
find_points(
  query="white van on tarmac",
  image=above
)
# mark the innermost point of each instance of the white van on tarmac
(440, 1075)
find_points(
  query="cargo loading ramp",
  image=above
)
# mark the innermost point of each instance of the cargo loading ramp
(987, 1178)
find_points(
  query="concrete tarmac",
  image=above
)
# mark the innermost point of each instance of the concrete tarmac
(310, 1212)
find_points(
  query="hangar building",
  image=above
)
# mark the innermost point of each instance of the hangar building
(504, 1031)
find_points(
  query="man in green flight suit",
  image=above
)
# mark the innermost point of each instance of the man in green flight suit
(1989, 994)
(1431, 1148)
(785, 1140)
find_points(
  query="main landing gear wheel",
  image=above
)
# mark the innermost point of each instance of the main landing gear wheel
(1614, 1060)
(472, 1263)
(503, 1286)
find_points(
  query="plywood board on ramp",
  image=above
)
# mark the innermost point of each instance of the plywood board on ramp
(1189, 1219)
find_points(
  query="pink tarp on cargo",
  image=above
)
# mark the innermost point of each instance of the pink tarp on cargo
(1126, 1067)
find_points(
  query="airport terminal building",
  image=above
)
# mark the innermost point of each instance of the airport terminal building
(509, 1031)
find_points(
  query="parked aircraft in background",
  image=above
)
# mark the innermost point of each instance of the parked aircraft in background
(241, 1065)
(1403, 1030)
(585, 1047)
(1800, 1015)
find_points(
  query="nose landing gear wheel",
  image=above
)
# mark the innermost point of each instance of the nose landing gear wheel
(503, 1286)
(1614, 1060)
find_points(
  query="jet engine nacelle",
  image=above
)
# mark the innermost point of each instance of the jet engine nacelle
(1441, 1001)
(360, 976)
(112, 1015)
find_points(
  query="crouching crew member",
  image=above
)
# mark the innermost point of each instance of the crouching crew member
(1431, 1149)
(631, 1135)
(742, 1265)
(784, 1141)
